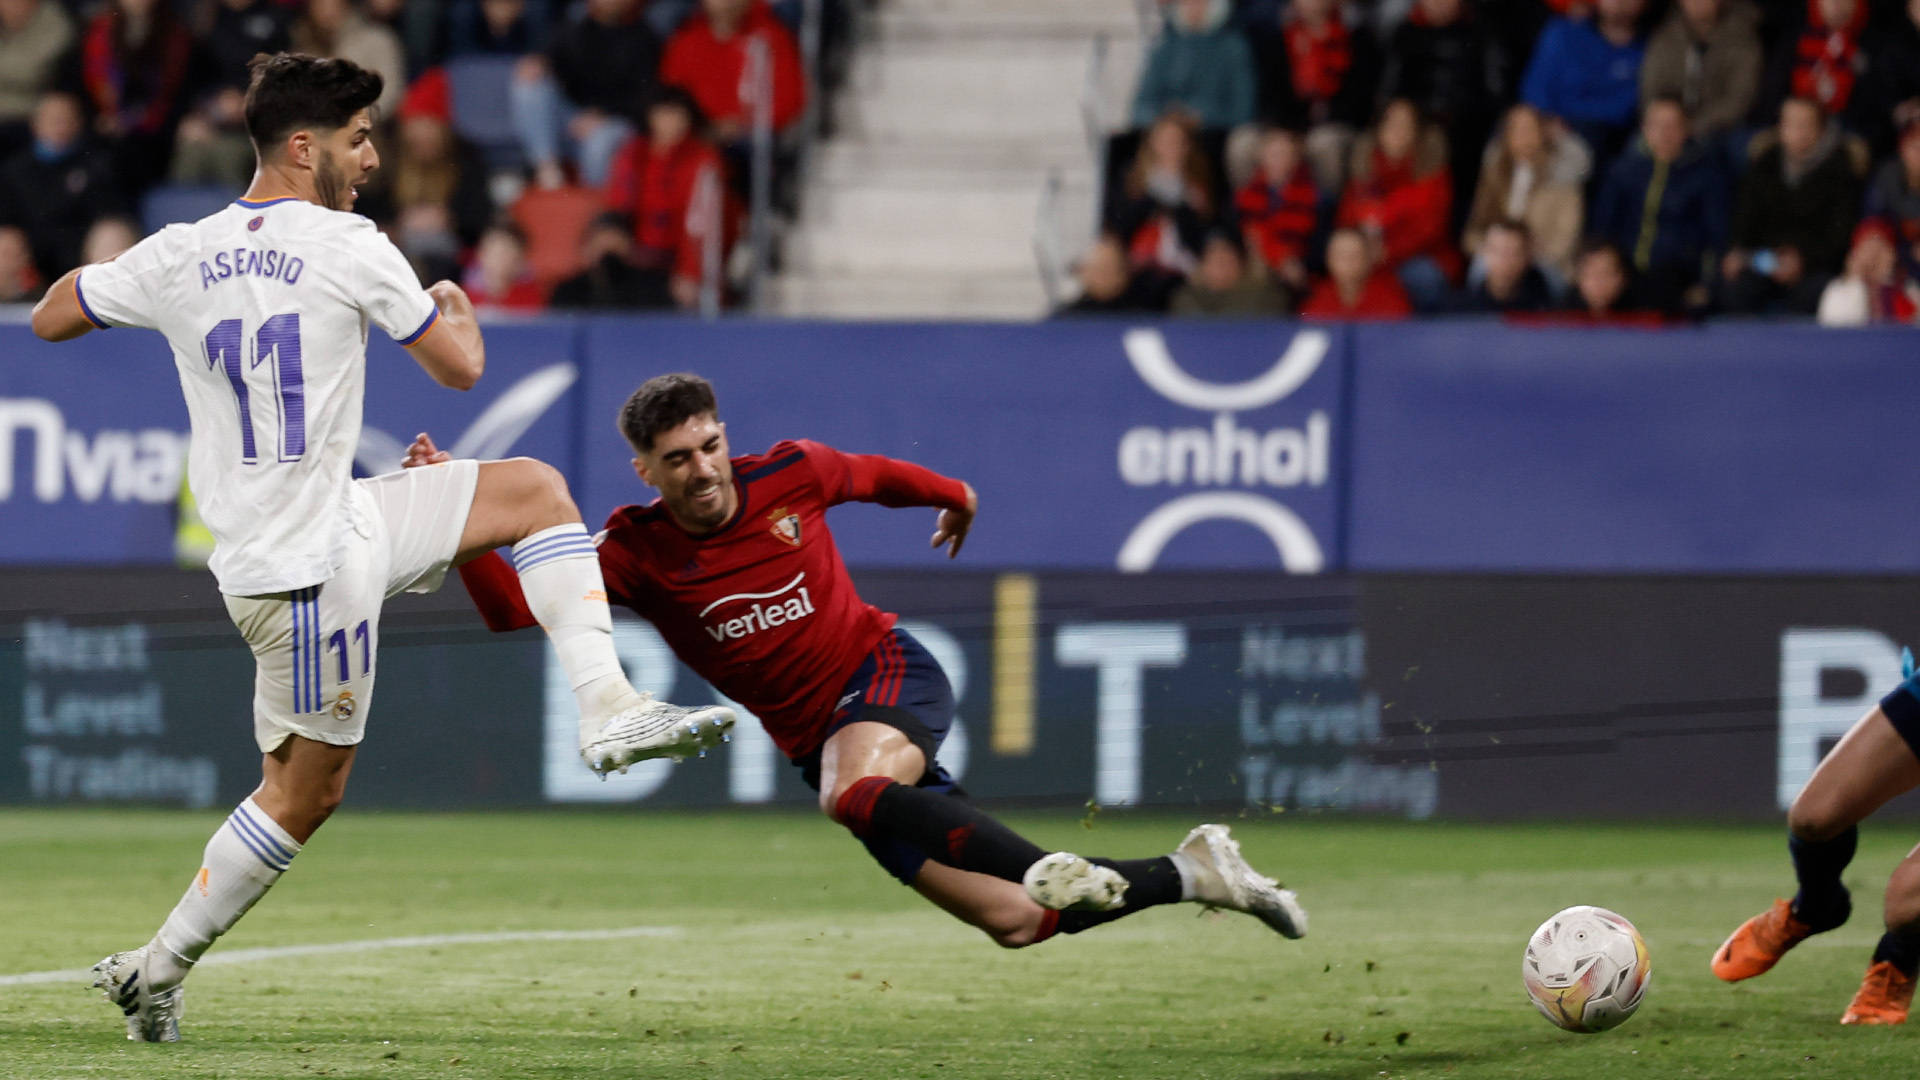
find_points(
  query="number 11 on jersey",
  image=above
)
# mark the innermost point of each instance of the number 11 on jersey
(278, 340)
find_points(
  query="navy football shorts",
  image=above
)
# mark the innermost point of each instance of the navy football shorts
(900, 685)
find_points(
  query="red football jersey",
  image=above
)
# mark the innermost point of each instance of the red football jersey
(762, 606)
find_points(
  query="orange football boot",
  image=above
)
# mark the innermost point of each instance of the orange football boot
(1883, 998)
(1760, 943)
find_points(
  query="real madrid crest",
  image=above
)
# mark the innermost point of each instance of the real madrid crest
(786, 525)
(343, 707)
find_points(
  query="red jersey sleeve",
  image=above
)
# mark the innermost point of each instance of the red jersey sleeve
(495, 589)
(876, 479)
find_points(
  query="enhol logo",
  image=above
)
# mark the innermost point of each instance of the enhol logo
(1225, 454)
(770, 611)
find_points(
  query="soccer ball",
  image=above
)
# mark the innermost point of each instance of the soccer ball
(1586, 969)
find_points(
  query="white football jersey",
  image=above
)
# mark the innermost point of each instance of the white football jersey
(266, 305)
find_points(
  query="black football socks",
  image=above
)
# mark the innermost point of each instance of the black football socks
(1822, 902)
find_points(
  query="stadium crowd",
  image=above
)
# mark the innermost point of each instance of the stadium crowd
(1592, 161)
(617, 179)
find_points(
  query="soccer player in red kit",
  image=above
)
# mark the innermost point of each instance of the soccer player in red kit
(735, 566)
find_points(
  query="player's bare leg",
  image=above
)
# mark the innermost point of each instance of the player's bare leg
(302, 782)
(1871, 764)
(1000, 909)
(525, 504)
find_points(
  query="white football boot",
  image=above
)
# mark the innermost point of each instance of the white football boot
(1065, 881)
(644, 727)
(151, 1017)
(1210, 860)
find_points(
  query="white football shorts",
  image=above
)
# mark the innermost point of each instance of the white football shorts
(315, 649)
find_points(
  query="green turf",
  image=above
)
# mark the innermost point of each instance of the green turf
(790, 955)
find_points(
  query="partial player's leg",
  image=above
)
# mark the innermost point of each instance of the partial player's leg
(873, 776)
(1874, 762)
(313, 684)
(525, 504)
(1886, 993)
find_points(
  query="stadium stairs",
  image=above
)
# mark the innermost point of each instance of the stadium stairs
(923, 203)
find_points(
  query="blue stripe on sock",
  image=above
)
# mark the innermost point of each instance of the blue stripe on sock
(576, 548)
(253, 845)
(525, 550)
(261, 830)
(556, 556)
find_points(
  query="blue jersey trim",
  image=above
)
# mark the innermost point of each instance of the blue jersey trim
(252, 205)
(84, 309)
(424, 327)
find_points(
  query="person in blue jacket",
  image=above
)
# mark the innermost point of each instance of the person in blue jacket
(1586, 72)
(1665, 204)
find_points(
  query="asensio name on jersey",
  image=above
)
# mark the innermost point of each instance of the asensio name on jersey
(266, 306)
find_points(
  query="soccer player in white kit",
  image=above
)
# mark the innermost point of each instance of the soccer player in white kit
(266, 305)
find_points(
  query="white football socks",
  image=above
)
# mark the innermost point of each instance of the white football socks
(242, 861)
(1189, 875)
(560, 575)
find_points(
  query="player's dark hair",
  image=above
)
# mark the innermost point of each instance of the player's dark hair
(291, 92)
(663, 403)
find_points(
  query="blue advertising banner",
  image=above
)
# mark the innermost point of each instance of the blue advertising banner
(93, 432)
(1092, 445)
(1716, 449)
(1446, 446)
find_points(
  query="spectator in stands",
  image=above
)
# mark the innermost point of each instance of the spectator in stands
(339, 28)
(1108, 285)
(57, 187)
(1279, 209)
(34, 35)
(1448, 63)
(1823, 60)
(1603, 288)
(135, 59)
(610, 280)
(108, 238)
(433, 167)
(586, 93)
(1891, 93)
(1664, 202)
(1895, 198)
(211, 146)
(1586, 73)
(1796, 208)
(1356, 287)
(1707, 55)
(1873, 289)
(1165, 204)
(20, 283)
(1316, 74)
(1400, 194)
(1509, 280)
(1200, 65)
(419, 25)
(672, 184)
(707, 57)
(498, 277)
(1224, 285)
(1534, 173)
(498, 27)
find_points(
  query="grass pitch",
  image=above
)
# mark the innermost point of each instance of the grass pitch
(767, 945)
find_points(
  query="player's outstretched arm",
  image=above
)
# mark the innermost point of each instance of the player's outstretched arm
(451, 351)
(58, 316)
(950, 528)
